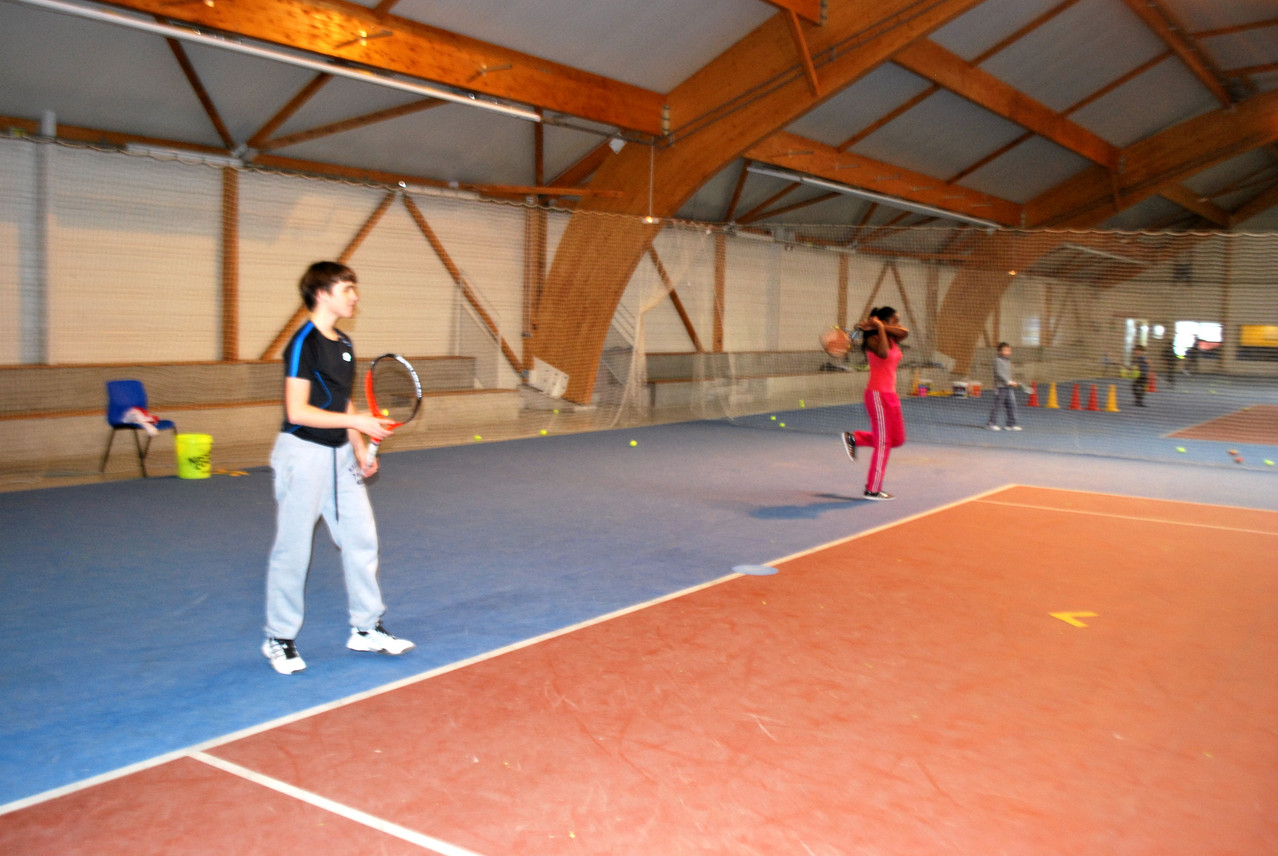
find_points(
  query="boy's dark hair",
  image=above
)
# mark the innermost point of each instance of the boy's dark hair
(321, 276)
(1002, 345)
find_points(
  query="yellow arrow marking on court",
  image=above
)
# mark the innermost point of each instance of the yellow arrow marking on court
(1072, 617)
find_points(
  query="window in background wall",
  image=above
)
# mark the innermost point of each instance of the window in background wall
(1208, 334)
(1030, 336)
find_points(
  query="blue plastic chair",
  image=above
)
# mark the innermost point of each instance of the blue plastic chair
(122, 395)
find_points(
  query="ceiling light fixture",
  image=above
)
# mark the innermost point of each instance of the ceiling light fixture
(165, 153)
(1092, 251)
(882, 199)
(278, 55)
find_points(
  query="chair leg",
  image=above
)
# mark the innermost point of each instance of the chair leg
(107, 453)
(142, 450)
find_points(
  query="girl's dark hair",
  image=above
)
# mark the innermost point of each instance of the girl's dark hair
(321, 276)
(884, 314)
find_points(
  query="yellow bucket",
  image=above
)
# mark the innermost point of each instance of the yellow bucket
(194, 456)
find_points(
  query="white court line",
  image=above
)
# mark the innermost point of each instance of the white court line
(333, 807)
(1157, 499)
(1135, 517)
(973, 498)
(192, 751)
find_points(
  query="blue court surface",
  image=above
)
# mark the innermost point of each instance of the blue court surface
(133, 609)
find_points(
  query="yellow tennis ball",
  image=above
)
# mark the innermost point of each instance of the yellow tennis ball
(477, 437)
(385, 412)
(634, 442)
(543, 432)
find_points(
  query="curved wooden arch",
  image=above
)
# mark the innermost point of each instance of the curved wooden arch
(751, 90)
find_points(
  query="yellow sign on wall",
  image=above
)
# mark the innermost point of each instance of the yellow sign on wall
(1259, 335)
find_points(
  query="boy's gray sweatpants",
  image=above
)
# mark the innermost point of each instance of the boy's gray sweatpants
(313, 481)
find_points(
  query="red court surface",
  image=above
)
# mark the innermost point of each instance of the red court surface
(1029, 672)
(1256, 423)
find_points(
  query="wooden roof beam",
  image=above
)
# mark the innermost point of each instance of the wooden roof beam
(350, 124)
(206, 100)
(305, 94)
(1158, 162)
(1190, 201)
(812, 11)
(933, 62)
(331, 28)
(793, 206)
(1262, 203)
(799, 154)
(1163, 24)
(805, 57)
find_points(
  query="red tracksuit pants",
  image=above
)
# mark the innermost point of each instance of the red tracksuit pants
(887, 431)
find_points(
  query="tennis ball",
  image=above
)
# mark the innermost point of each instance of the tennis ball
(801, 404)
(385, 412)
(782, 424)
(1268, 462)
(774, 419)
(543, 432)
(634, 442)
(477, 437)
(1180, 449)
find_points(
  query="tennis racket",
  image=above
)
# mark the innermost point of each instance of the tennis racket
(393, 392)
(836, 341)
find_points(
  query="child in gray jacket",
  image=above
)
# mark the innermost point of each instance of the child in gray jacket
(1004, 385)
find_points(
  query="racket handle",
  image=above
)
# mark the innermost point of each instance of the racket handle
(372, 451)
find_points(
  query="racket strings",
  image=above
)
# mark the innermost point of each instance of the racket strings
(394, 391)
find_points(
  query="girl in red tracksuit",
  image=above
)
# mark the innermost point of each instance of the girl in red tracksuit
(883, 332)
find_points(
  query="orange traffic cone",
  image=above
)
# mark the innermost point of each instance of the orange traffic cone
(1051, 397)
(1093, 403)
(1033, 399)
(1075, 402)
(1153, 386)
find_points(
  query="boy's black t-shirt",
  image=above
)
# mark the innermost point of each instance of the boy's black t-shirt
(329, 366)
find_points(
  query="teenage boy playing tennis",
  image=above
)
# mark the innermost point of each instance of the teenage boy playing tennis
(883, 332)
(320, 462)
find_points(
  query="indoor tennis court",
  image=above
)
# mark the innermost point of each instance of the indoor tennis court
(770, 427)
(978, 665)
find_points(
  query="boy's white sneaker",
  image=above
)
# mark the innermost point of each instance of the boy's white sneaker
(283, 655)
(377, 640)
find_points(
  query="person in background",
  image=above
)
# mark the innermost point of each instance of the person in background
(1141, 382)
(1170, 360)
(1004, 394)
